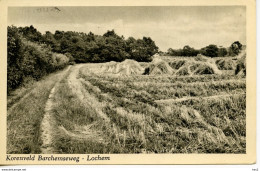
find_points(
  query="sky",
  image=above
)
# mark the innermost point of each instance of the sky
(169, 26)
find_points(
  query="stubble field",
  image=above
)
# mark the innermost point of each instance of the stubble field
(114, 108)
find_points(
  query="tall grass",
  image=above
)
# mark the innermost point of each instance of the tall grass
(24, 118)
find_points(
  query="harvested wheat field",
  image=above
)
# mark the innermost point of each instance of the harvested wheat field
(179, 105)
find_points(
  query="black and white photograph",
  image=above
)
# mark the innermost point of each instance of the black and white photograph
(115, 82)
(126, 80)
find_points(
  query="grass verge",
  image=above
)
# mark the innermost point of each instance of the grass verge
(24, 119)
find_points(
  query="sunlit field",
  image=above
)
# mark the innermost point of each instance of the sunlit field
(127, 108)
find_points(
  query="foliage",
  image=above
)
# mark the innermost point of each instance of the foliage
(33, 55)
(14, 49)
(27, 60)
(235, 48)
(31, 33)
(186, 51)
(95, 48)
(222, 52)
(141, 49)
(211, 51)
(89, 47)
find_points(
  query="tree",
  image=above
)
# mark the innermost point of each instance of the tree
(175, 52)
(235, 48)
(188, 51)
(222, 52)
(31, 33)
(14, 59)
(114, 48)
(170, 52)
(90, 36)
(202, 51)
(131, 47)
(151, 47)
(141, 49)
(185, 51)
(110, 33)
(95, 48)
(211, 51)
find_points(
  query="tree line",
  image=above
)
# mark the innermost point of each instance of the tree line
(32, 55)
(82, 47)
(210, 50)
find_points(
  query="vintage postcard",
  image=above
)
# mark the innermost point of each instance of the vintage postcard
(118, 82)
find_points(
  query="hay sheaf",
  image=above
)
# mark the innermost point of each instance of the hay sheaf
(177, 64)
(201, 57)
(241, 66)
(181, 67)
(158, 67)
(204, 69)
(197, 68)
(225, 64)
(127, 67)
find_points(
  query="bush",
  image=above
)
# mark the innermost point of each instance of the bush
(211, 51)
(28, 60)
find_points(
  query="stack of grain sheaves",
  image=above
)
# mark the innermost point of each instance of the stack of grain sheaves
(241, 65)
(127, 67)
(199, 65)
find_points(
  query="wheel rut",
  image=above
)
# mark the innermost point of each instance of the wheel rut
(48, 122)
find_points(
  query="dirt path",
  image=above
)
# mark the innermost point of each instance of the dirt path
(48, 122)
